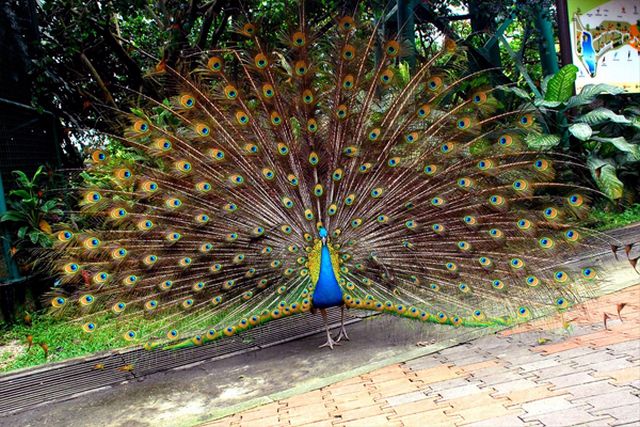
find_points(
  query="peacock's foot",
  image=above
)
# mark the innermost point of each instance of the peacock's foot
(343, 334)
(330, 342)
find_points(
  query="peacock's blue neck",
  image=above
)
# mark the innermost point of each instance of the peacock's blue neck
(327, 291)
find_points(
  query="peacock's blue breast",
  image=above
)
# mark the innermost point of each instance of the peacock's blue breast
(327, 292)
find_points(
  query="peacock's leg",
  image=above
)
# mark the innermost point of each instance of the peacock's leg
(330, 342)
(343, 331)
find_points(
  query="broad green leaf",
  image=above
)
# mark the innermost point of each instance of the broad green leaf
(515, 90)
(590, 92)
(545, 83)
(542, 141)
(23, 194)
(604, 174)
(13, 216)
(582, 131)
(547, 104)
(602, 115)
(560, 87)
(622, 144)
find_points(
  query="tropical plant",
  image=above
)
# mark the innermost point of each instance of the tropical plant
(30, 210)
(603, 129)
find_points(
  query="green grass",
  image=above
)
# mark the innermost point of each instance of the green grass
(65, 341)
(604, 220)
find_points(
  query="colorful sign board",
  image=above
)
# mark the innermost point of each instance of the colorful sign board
(605, 46)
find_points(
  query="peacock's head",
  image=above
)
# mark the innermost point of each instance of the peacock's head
(323, 234)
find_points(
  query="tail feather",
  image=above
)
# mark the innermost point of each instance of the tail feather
(436, 207)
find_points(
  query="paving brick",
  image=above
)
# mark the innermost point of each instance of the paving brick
(269, 421)
(324, 423)
(406, 398)
(572, 379)
(589, 389)
(572, 417)
(542, 406)
(539, 364)
(509, 386)
(307, 414)
(557, 347)
(610, 365)
(359, 413)
(477, 400)
(374, 421)
(260, 412)
(530, 394)
(435, 417)
(304, 399)
(492, 378)
(396, 387)
(346, 389)
(482, 412)
(466, 390)
(423, 405)
(433, 375)
(361, 401)
(486, 364)
(622, 414)
(510, 420)
(622, 376)
(425, 362)
(348, 397)
(611, 400)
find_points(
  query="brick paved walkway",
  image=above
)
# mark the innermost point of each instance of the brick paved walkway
(563, 371)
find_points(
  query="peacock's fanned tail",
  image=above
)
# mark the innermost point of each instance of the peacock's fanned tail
(435, 207)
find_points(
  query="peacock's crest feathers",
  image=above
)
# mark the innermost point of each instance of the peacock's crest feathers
(436, 208)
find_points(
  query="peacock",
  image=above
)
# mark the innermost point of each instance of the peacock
(320, 174)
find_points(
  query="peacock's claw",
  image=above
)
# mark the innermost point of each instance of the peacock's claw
(330, 342)
(343, 334)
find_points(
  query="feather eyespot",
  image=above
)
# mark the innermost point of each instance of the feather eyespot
(337, 174)
(550, 213)
(298, 39)
(98, 156)
(348, 82)
(145, 225)
(434, 83)
(430, 169)
(187, 101)
(183, 166)
(318, 190)
(571, 235)
(376, 192)
(423, 111)
(242, 118)
(560, 276)
(162, 144)
(301, 68)
(123, 174)
(589, 273)
(215, 64)
(65, 235)
(532, 281)
(524, 224)
(307, 96)
(541, 165)
(505, 141)
(312, 125)
(203, 186)
(91, 243)
(237, 179)
(261, 61)
(346, 24)
(141, 126)
(216, 154)
(119, 253)
(268, 91)
(313, 158)
(149, 186)
(520, 185)
(411, 137)
(348, 52)
(374, 134)
(342, 111)
(387, 76)
(276, 118)
(526, 120)
(230, 92)
(575, 200)
(479, 98)
(546, 242)
(392, 48)
(89, 327)
(248, 29)
(464, 123)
